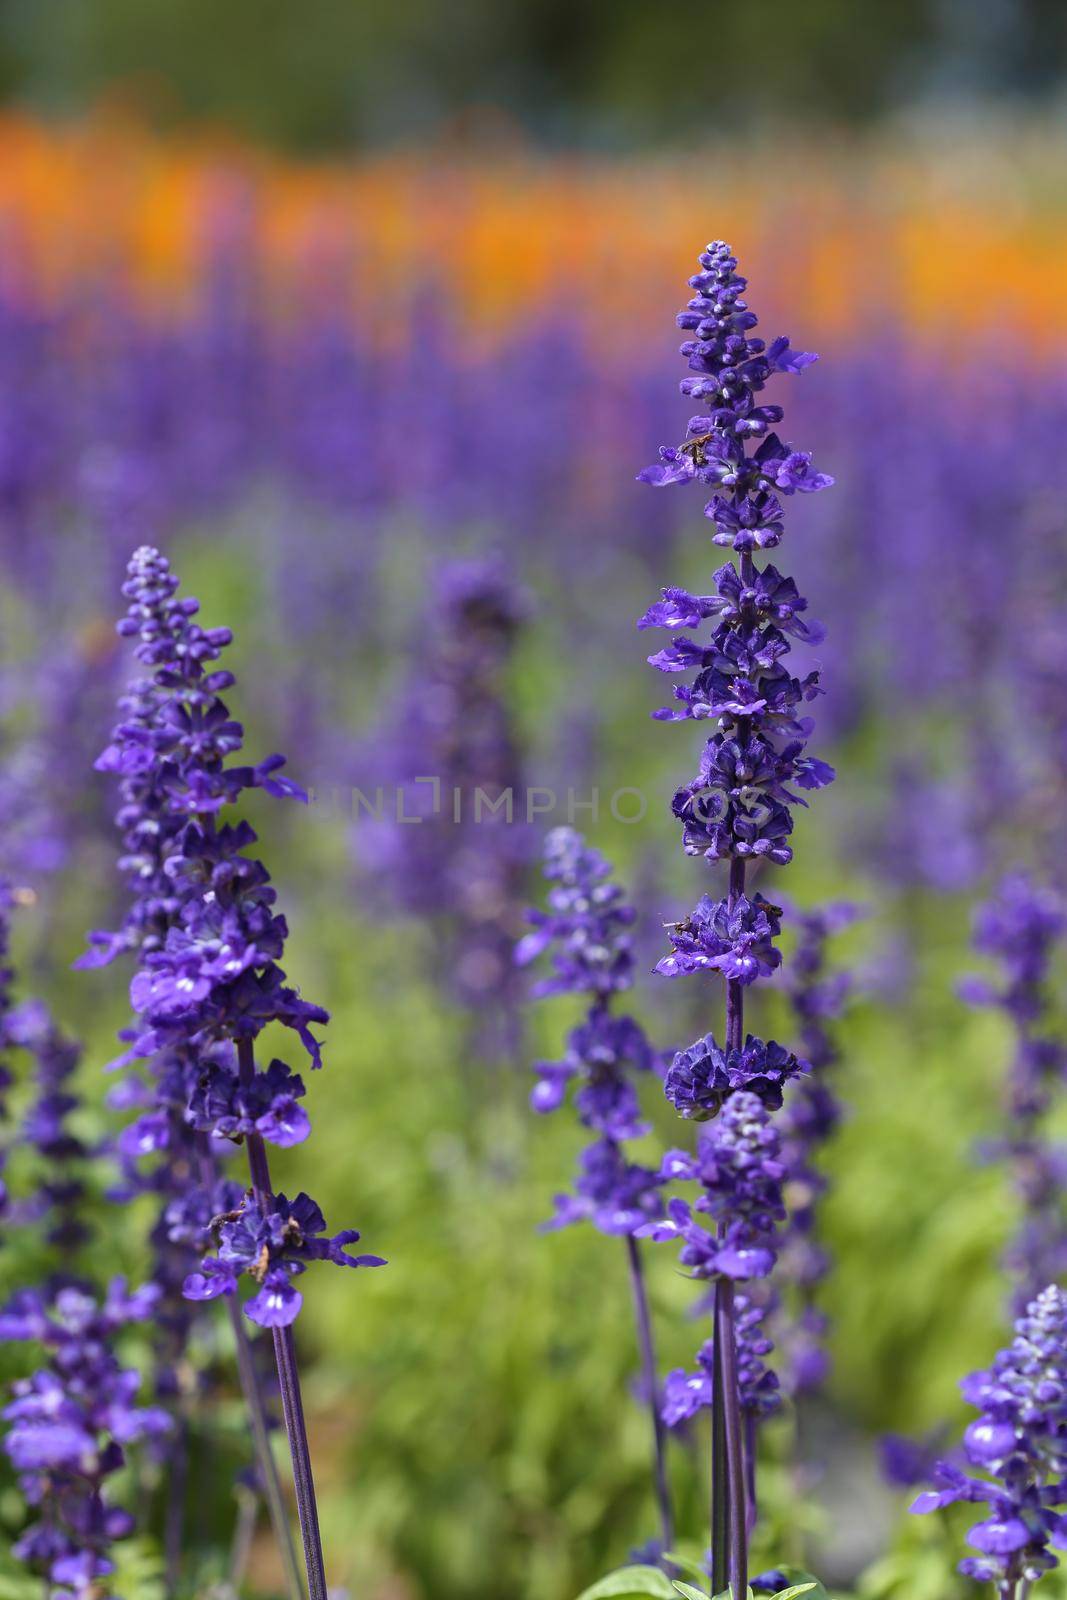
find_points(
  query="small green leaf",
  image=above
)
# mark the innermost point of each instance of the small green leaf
(803, 1583)
(633, 1583)
(692, 1569)
(688, 1590)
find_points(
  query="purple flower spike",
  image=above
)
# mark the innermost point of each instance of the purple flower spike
(732, 660)
(209, 941)
(1020, 1440)
(1020, 928)
(586, 933)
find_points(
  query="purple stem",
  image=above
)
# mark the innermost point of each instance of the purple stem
(256, 1405)
(720, 1526)
(651, 1382)
(264, 1455)
(288, 1375)
(728, 1500)
(735, 1464)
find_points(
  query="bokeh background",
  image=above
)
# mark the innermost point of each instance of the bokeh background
(352, 308)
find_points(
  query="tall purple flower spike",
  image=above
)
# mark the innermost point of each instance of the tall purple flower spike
(586, 932)
(817, 996)
(450, 745)
(70, 1422)
(210, 978)
(1020, 1441)
(1021, 928)
(738, 809)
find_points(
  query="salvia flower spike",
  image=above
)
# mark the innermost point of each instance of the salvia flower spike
(586, 932)
(71, 1421)
(1019, 1441)
(213, 982)
(166, 1150)
(818, 994)
(1021, 928)
(737, 810)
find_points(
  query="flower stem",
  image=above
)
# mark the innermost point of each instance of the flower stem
(729, 1501)
(256, 1406)
(651, 1382)
(720, 1524)
(735, 1465)
(268, 1467)
(288, 1374)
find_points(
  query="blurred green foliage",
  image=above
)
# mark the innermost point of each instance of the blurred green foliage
(329, 73)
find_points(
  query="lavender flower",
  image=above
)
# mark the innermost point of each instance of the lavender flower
(59, 1202)
(737, 809)
(1020, 928)
(817, 997)
(685, 1394)
(70, 1421)
(452, 750)
(586, 932)
(69, 1425)
(738, 1166)
(1020, 1440)
(209, 979)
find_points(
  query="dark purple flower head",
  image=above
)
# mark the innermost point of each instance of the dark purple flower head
(700, 1077)
(585, 927)
(1020, 1440)
(272, 1249)
(267, 1104)
(735, 940)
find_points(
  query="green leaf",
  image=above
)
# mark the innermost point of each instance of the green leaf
(804, 1583)
(633, 1583)
(686, 1564)
(688, 1590)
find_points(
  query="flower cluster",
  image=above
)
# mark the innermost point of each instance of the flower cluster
(273, 1249)
(204, 923)
(452, 750)
(739, 1169)
(586, 931)
(687, 1393)
(1020, 1441)
(817, 997)
(585, 926)
(71, 1419)
(752, 771)
(701, 1076)
(68, 1426)
(1021, 928)
(58, 1204)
